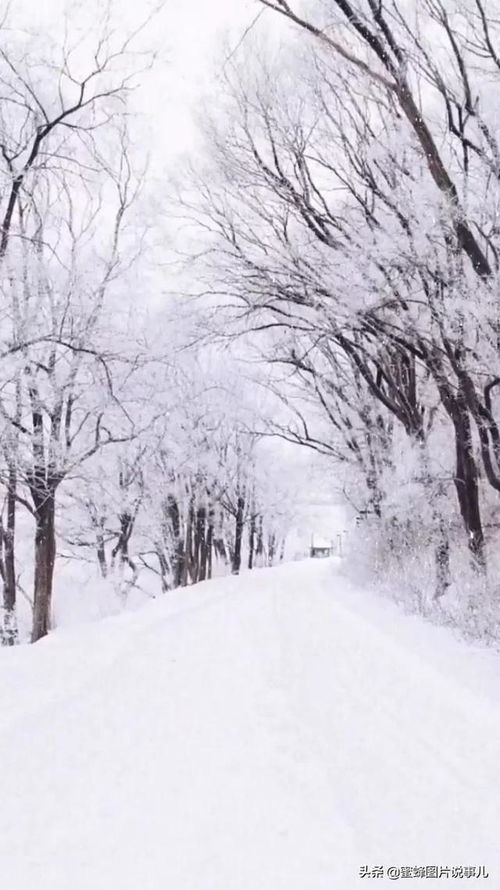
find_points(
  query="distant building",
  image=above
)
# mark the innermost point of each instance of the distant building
(321, 548)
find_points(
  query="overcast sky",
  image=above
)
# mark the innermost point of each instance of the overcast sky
(194, 34)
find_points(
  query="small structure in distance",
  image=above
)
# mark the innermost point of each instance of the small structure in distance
(321, 548)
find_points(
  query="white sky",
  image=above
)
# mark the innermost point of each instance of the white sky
(194, 31)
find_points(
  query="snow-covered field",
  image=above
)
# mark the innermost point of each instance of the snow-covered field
(276, 731)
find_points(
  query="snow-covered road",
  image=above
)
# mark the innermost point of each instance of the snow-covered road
(277, 731)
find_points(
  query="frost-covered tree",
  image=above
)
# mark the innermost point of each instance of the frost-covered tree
(351, 207)
(69, 187)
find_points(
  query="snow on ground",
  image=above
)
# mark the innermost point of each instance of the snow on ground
(275, 731)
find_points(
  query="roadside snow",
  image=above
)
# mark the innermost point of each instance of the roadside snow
(275, 731)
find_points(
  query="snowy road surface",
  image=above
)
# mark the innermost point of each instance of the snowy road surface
(273, 732)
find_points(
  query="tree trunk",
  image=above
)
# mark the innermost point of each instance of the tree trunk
(271, 548)
(9, 590)
(210, 539)
(121, 550)
(466, 484)
(442, 546)
(251, 541)
(442, 558)
(172, 509)
(200, 547)
(45, 553)
(259, 550)
(101, 548)
(221, 550)
(466, 474)
(163, 565)
(238, 534)
(188, 547)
